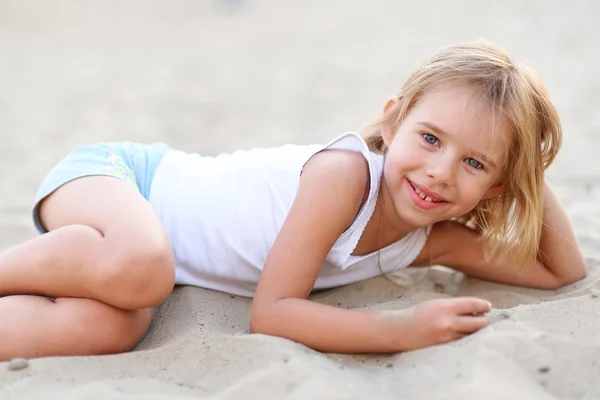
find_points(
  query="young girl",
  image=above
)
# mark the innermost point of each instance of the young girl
(452, 173)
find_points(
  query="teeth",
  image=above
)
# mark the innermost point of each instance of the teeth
(424, 197)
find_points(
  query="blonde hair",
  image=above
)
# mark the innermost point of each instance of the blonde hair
(512, 222)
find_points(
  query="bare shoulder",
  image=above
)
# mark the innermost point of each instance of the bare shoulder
(340, 175)
(348, 167)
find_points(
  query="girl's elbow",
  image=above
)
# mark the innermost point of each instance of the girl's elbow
(260, 318)
(576, 276)
(254, 327)
(581, 272)
(256, 324)
(579, 276)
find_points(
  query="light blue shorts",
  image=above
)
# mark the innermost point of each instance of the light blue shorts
(134, 163)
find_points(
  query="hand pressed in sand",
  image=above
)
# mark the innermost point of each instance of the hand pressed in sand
(434, 322)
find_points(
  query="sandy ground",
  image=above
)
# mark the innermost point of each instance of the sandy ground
(211, 76)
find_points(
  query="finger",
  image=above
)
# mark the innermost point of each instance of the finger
(470, 305)
(467, 325)
(455, 336)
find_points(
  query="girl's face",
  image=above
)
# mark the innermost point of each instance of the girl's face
(444, 158)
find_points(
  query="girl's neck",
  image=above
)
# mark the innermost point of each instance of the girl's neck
(382, 229)
(392, 226)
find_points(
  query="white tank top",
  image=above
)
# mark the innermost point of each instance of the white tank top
(223, 213)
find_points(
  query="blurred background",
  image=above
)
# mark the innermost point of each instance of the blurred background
(217, 75)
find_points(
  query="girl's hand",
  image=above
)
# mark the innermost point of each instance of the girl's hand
(435, 322)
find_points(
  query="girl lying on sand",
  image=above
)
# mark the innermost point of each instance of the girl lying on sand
(451, 173)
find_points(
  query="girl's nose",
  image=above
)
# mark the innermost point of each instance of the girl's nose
(441, 170)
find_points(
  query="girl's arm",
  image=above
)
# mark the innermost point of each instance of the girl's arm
(561, 261)
(330, 194)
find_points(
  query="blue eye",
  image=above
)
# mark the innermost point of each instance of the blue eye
(474, 163)
(429, 138)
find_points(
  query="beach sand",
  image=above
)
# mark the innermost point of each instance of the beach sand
(213, 76)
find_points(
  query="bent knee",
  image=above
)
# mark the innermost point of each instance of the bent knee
(141, 277)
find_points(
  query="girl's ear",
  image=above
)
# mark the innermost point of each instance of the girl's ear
(386, 132)
(494, 191)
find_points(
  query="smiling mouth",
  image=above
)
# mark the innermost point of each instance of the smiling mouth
(425, 196)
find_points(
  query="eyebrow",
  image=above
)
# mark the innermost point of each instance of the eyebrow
(477, 154)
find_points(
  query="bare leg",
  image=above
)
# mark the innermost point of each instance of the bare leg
(106, 259)
(105, 243)
(34, 326)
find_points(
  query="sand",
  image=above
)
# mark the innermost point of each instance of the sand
(212, 76)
